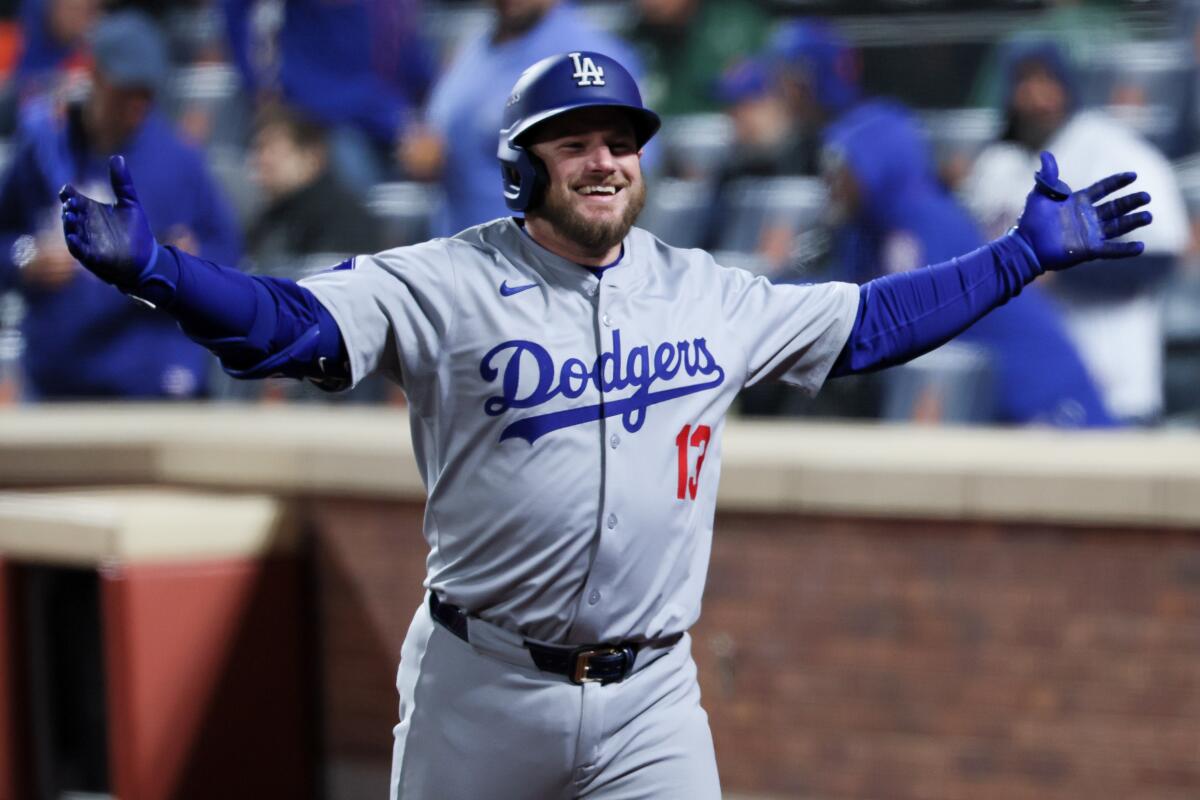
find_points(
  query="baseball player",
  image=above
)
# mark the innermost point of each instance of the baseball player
(568, 376)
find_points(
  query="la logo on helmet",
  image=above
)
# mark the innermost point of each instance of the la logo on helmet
(586, 72)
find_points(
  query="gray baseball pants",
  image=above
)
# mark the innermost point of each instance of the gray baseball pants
(479, 720)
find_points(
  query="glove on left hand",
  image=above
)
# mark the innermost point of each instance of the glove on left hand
(113, 241)
(1064, 228)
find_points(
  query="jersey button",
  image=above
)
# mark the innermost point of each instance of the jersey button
(614, 440)
(612, 521)
(591, 290)
(607, 320)
(594, 597)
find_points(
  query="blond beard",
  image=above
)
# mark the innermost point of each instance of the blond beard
(591, 235)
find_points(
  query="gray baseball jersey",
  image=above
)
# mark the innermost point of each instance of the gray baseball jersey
(568, 426)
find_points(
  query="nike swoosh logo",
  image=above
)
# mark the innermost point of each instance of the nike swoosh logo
(509, 291)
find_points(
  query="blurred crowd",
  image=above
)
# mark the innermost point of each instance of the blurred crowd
(803, 141)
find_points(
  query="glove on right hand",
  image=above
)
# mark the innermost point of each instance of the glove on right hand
(113, 241)
(1064, 228)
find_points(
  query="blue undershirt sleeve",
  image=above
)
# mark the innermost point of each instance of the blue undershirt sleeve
(904, 315)
(257, 326)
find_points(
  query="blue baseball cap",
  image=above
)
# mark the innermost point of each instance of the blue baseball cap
(823, 56)
(1021, 54)
(745, 79)
(130, 51)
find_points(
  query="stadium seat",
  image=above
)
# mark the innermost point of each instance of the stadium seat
(750, 262)
(1145, 83)
(404, 210)
(960, 131)
(753, 204)
(1187, 172)
(213, 91)
(1181, 335)
(695, 145)
(677, 211)
(953, 384)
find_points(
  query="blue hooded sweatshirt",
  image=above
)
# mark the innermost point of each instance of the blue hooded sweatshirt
(348, 62)
(905, 219)
(87, 339)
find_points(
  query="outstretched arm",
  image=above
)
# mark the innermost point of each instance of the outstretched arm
(904, 315)
(257, 326)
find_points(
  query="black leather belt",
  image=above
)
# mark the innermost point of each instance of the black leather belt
(589, 663)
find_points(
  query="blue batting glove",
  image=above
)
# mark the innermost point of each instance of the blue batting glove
(1065, 228)
(113, 241)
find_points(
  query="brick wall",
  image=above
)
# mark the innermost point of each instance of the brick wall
(844, 658)
(855, 659)
(370, 562)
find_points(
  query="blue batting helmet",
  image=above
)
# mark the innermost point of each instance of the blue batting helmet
(551, 87)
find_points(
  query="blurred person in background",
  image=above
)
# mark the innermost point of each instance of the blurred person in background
(1087, 30)
(308, 211)
(688, 44)
(309, 221)
(457, 145)
(895, 216)
(818, 76)
(765, 144)
(359, 67)
(764, 134)
(54, 48)
(80, 341)
(1113, 315)
(889, 213)
(815, 74)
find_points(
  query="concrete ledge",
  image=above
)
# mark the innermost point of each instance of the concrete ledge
(93, 528)
(1125, 477)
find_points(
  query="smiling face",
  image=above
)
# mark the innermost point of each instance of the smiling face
(595, 190)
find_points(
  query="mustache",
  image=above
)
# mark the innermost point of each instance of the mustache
(615, 185)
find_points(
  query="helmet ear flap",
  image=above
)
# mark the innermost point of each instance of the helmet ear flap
(524, 176)
(541, 181)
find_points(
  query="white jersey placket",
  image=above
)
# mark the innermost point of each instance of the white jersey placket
(594, 604)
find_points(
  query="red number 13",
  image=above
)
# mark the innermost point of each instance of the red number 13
(688, 438)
